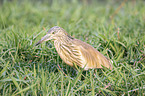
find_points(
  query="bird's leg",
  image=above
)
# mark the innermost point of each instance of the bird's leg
(106, 86)
(61, 70)
(95, 71)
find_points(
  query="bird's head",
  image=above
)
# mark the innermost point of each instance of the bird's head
(54, 33)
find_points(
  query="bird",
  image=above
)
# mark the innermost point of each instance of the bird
(74, 51)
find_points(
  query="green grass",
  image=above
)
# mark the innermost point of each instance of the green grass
(28, 70)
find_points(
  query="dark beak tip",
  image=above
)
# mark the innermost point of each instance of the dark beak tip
(37, 43)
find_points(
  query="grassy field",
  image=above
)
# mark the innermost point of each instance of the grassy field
(116, 29)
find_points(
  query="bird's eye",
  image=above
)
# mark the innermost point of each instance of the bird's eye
(53, 32)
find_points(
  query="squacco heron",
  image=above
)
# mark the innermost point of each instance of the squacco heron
(73, 51)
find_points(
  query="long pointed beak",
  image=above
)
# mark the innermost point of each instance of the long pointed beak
(45, 38)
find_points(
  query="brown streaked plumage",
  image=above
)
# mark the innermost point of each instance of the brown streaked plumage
(73, 51)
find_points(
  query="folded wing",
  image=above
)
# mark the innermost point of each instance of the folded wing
(91, 57)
